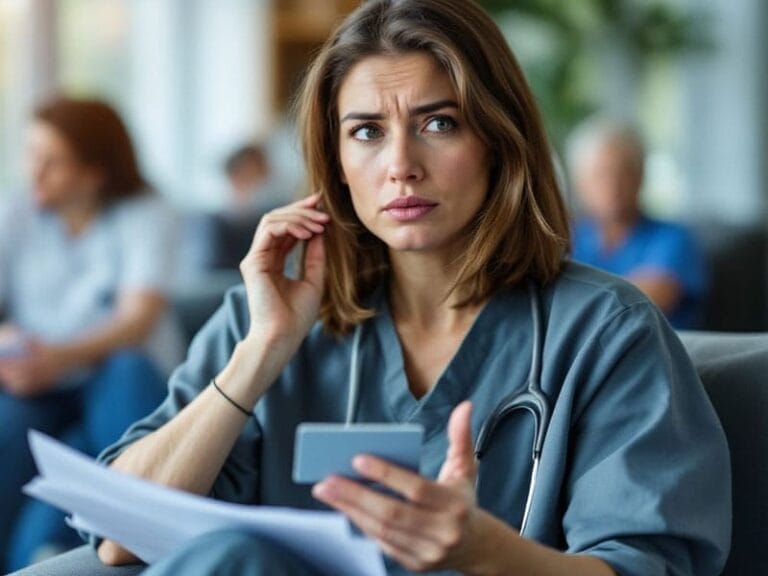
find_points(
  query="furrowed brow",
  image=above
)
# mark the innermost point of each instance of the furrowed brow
(417, 111)
(433, 107)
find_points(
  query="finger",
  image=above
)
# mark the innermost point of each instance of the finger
(460, 460)
(376, 512)
(402, 529)
(407, 547)
(281, 236)
(276, 220)
(299, 231)
(311, 211)
(11, 366)
(412, 486)
(314, 261)
(311, 200)
(268, 255)
(14, 383)
(316, 216)
(290, 225)
(310, 203)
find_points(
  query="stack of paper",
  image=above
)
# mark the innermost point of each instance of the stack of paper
(151, 520)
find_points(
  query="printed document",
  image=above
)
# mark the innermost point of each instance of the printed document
(151, 520)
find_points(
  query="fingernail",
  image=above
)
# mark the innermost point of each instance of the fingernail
(363, 464)
(323, 490)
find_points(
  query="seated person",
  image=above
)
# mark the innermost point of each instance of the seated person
(606, 160)
(87, 339)
(435, 246)
(247, 171)
(220, 240)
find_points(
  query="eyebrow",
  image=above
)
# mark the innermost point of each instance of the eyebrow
(417, 111)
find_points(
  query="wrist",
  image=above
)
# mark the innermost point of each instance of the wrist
(251, 370)
(71, 356)
(269, 352)
(493, 544)
(64, 358)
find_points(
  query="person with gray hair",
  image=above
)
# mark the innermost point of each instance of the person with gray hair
(606, 158)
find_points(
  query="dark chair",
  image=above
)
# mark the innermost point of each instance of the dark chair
(195, 302)
(737, 262)
(734, 370)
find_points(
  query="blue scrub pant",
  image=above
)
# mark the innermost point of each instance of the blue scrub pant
(230, 553)
(126, 387)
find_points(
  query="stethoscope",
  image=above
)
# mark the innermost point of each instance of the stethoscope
(532, 399)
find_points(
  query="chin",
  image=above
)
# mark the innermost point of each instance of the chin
(44, 202)
(41, 201)
(414, 243)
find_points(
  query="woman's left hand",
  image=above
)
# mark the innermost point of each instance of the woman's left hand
(436, 526)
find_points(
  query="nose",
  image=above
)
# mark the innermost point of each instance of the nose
(405, 164)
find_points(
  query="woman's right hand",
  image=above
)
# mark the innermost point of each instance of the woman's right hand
(282, 309)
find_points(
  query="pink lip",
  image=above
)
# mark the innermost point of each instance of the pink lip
(409, 202)
(408, 208)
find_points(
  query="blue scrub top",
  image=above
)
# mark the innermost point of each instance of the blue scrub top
(651, 247)
(635, 466)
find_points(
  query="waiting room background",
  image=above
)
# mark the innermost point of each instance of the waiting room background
(197, 78)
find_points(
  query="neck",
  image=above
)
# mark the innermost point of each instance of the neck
(420, 296)
(78, 217)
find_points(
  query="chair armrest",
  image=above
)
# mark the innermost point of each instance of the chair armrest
(81, 561)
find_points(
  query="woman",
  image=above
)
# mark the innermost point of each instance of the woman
(437, 210)
(84, 268)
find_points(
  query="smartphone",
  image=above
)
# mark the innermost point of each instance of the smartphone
(324, 449)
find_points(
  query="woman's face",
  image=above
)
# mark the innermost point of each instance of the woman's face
(416, 172)
(57, 176)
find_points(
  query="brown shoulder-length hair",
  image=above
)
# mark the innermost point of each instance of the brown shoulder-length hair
(99, 139)
(521, 231)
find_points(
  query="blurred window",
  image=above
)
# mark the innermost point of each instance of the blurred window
(191, 78)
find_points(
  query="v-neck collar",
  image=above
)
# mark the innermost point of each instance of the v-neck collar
(457, 380)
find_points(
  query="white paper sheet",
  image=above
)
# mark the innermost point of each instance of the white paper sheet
(151, 520)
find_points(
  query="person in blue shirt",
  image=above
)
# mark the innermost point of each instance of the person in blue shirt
(434, 224)
(606, 160)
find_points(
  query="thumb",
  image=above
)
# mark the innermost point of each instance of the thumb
(460, 459)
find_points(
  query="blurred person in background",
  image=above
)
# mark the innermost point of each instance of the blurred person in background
(247, 171)
(606, 159)
(86, 338)
(216, 241)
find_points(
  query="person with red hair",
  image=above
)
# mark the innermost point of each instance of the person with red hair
(85, 339)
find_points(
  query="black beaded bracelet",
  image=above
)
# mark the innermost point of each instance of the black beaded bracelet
(228, 399)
